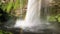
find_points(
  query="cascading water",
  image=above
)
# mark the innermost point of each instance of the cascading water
(32, 21)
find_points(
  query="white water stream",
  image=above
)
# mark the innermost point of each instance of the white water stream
(32, 21)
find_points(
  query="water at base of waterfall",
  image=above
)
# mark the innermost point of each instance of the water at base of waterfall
(30, 27)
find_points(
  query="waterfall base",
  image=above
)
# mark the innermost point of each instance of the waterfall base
(31, 27)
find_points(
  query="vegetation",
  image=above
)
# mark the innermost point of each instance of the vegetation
(8, 10)
(4, 32)
(12, 5)
(55, 11)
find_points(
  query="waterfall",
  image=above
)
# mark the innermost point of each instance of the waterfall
(33, 12)
(32, 22)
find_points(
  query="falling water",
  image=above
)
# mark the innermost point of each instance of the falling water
(32, 22)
